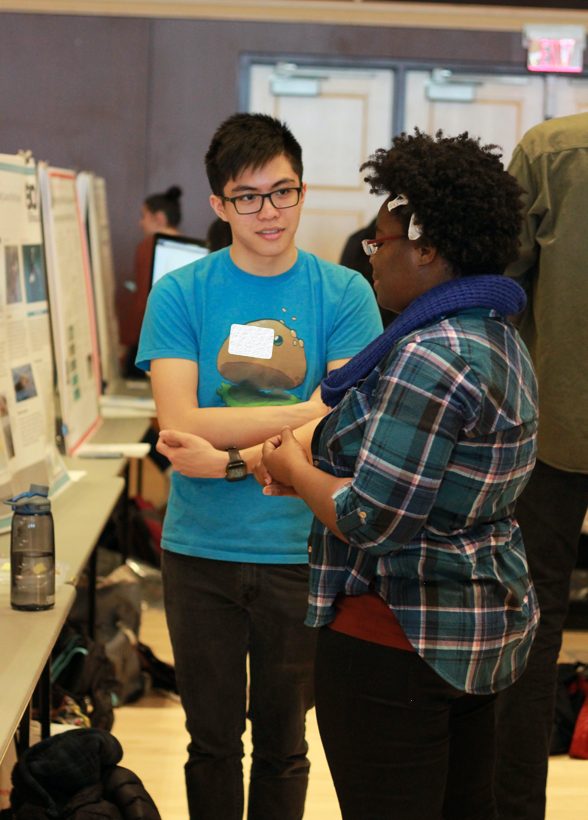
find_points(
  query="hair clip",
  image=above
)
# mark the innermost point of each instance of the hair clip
(396, 203)
(415, 231)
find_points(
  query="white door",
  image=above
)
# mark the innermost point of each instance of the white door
(499, 109)
(571, 96)
(340, 117)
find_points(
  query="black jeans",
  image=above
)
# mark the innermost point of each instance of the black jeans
(402, 744)
(550, 512)
(217, 613)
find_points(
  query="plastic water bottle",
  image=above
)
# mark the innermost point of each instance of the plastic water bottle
(32, 551)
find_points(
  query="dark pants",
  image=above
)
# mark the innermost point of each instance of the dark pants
(402, 744)
(217, 613)
(550, 512)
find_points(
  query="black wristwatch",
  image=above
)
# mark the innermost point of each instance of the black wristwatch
(236, 468)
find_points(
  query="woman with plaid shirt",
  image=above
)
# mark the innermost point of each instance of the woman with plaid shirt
(418, 571)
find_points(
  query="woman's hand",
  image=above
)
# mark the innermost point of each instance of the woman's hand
(262, 474)
(280, 456)
(260, 471)
(191, 455)
(286, 469)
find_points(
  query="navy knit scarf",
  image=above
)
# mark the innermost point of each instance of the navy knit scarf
(497, 293)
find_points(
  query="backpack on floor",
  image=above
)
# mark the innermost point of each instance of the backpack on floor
(81, 671)
(162, 675)
(570, 727)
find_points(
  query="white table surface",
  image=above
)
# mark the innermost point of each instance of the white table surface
(133, 388)
(121, 431)
(26, 641)
(27, 638)
(80, 513)
(111, 431)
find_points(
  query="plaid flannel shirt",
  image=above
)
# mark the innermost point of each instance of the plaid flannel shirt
(438, 442)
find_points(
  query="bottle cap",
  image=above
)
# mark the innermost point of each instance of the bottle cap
(31, 502)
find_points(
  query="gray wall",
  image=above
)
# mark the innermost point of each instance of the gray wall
(74, 91)
(137, 100)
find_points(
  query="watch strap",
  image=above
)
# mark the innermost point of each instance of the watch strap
(234, 454)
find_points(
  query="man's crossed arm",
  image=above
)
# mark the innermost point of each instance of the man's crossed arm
(175, 386)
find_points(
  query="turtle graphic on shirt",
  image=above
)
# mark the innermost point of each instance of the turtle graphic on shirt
(253, 382)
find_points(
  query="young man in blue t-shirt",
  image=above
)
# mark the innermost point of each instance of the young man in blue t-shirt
(237, 344)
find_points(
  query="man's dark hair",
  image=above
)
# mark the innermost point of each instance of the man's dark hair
(468, 206)
(169, 203)
(249, 141)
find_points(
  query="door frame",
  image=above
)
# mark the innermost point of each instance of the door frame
(398, 67)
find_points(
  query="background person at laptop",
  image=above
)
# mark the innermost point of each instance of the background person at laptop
(160, 213)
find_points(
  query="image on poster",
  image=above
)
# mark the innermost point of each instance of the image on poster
(24, 382)
(13, 283)
(34, 273)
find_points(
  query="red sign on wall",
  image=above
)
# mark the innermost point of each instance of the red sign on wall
(554, 55)
(555, 48)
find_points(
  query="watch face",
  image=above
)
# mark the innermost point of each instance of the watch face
(236, 471)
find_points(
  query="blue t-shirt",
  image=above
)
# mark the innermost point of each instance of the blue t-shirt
(319, 312)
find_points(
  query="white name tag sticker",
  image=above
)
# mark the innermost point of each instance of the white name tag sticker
(249, 340)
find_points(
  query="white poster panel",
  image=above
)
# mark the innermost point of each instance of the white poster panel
(92, 199)
(27, 409)
(72, 305)
(108, 280)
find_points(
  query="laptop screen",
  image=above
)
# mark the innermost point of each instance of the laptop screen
(173, 252)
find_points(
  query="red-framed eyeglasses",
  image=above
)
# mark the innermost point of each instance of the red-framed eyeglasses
(370, 246)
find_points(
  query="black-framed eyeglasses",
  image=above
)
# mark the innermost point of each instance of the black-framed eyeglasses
(253, 203)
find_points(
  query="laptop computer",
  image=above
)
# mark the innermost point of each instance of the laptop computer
(173, 252)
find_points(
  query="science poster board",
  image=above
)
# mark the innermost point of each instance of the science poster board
(92, 199)
(72, 305)
(28, 453)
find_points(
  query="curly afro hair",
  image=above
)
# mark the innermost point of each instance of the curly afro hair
(468, 206)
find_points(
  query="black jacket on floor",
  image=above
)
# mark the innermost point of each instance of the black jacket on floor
(75, 776)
